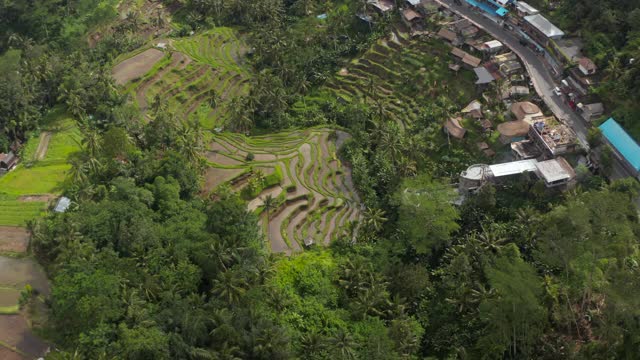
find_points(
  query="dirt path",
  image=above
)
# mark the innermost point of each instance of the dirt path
(136, 66)
(43, 146)
(36, 198)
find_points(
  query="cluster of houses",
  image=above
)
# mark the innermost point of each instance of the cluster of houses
(537, 142)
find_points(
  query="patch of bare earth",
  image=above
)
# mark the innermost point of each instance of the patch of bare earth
(15, 332)
(135, 67)
(13, 239)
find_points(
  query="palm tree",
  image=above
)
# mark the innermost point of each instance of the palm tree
(343, 345)
(229, 287)
(374, 218)
(268, 204)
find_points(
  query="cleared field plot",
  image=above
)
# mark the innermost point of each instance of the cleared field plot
(136, 66)
(196, 80)
(401, 76)
(314, 197)
(13, 239)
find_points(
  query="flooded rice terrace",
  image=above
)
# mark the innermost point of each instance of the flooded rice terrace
(17, 338)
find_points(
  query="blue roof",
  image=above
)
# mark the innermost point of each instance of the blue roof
(626, 146)
(491, 7)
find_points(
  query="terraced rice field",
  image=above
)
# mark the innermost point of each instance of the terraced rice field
(314, 192)
(402, 75)
(197, 77)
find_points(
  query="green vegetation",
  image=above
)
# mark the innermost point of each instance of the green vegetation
(32, 176)
(199, 80)
(397, 76)
(163, 254)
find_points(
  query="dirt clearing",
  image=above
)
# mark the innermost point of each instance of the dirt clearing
(136, 66)
(13, 239)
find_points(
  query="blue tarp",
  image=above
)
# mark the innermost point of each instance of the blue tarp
(623, 142)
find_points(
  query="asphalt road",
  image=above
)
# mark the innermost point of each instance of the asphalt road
(542, 79)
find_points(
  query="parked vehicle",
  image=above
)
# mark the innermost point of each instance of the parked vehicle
(557, 91)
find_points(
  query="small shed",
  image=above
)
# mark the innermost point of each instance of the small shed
(484, 76)
(453, 128)
(8, 161)
(586, 66)
(62, 205)
(591, 112)
(449, 36)
(492, 46)
(471, 61)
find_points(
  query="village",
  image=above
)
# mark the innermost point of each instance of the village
(531, 137)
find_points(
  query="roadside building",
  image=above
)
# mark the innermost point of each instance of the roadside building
(457, 52)
(381, 6)
(510, 67)
(492, 46)
(515, 91)
(484, 76)
(471, 61)
(586, 66)
(541, 29)
(526, 111)
(453, 128)
(625, 148)
(556, 172)
(7, 161)
(552, 137)
(411, 18)
(449, 35)
(513, 131)
(591, 112)
(503, 58)
(465, 28)
(523, 9)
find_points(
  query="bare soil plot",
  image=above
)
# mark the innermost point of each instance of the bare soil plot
(13, 239)
(215, 177)
(136, 66)
(15, 332)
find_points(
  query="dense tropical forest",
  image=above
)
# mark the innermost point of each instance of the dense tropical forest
(146, 266)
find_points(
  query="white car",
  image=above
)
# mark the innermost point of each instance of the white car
(557, 91)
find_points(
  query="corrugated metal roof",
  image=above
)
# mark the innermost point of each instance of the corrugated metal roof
(526, 8)
(514, 167)
(62, 205)
(545, 26)
(623, 142)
